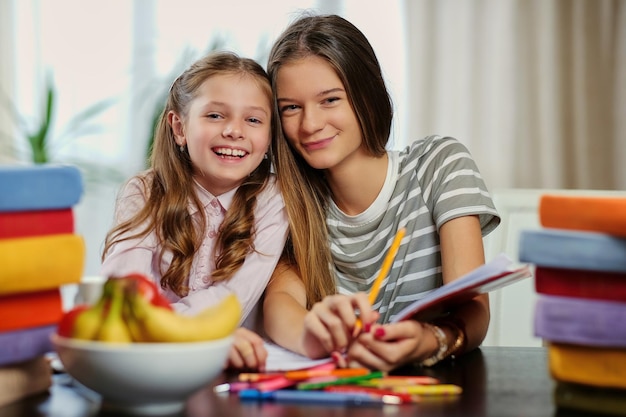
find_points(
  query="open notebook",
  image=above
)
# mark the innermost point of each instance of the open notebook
(280, 359)
(499, 272)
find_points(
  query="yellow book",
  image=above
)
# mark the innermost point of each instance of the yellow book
(600, 367)
(40, 262)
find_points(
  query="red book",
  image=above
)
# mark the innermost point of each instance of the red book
(35, 223)
(602, 214)
(595, 285)
(33, 309)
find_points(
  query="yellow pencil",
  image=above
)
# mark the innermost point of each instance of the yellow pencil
(440, 389)
(384, 270)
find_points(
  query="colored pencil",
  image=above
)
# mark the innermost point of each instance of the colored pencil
(314, 373)
(384, 270)
(440, 389)
(339, 381)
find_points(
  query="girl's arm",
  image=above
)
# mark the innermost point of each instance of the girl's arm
(328, 327)
(461, 252)
(284, 308)
(391, 345)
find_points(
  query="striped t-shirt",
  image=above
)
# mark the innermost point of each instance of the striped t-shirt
(428, 183)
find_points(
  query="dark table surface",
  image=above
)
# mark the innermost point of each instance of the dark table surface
(496, 381)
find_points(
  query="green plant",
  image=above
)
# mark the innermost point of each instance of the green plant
(37, 134)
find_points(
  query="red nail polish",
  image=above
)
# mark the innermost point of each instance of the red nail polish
(367, 327)
(380, 332)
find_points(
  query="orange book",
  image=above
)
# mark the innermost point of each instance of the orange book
(33, 309)
(41, 262)
(584, 213)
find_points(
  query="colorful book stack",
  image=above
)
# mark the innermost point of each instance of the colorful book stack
(39, 252)
(580, 279)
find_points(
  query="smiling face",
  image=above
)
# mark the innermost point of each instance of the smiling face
(226, 131)
(316, 114)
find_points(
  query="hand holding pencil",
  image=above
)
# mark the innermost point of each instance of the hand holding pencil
(333, 323)
(384, 270)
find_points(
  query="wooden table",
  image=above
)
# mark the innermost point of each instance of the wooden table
(496, 381)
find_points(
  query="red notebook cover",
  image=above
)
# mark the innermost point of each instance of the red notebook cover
(35, 223)
(26, 310)
(595, 285)
(584, 213)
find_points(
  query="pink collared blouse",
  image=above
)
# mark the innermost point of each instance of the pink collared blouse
(248, 283)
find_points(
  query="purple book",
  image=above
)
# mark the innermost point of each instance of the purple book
(581, 321)
(20, 345)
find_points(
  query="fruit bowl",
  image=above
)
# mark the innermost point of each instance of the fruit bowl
(143, 378)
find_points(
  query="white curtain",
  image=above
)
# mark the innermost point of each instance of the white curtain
(535, 88)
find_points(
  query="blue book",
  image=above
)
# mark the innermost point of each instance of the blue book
(24, 344)
(557, 248)
(39, 187)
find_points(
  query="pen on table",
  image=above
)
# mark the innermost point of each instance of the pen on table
(231, 387)
(441, 389)
(255, 377)
(379, 392)
(384, 270)
(273, 384)
(314, 373)
(320, 397)
(262, 386)
(339, 381)
(396, 381)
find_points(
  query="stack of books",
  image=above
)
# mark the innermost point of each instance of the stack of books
(580, 279)
(39, 253)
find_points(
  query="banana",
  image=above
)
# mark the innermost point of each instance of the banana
(113, 328)
(87, 323)
(149, 323)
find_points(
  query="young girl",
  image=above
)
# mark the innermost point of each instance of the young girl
(207, 218)
(342, 186)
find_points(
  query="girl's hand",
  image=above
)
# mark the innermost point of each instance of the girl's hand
(330, 325)
(389, 346)
(248, 351)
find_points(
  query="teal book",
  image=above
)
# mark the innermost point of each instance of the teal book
(39, 187)
(558, 248)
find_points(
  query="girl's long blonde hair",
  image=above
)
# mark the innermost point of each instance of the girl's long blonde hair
(170, 186)
(305, 190)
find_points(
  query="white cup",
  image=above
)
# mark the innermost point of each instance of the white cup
(89, 290)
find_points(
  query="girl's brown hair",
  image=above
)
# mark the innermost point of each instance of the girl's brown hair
(305, 190)
(170, 186)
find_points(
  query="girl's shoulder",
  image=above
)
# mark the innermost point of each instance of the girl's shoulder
(138, 184)
(431, 145)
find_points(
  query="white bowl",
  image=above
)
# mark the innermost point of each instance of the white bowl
(143, 378)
